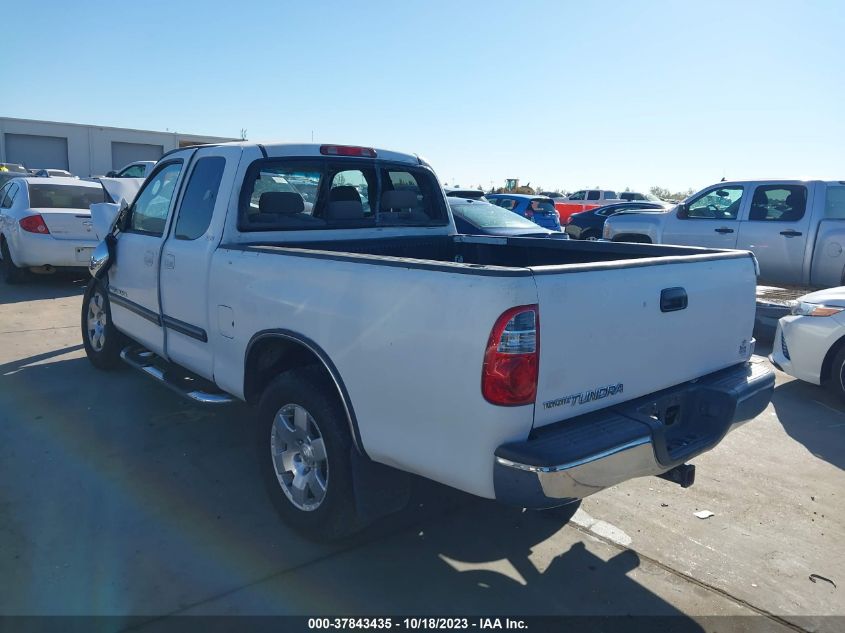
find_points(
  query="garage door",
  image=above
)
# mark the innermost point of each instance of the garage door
(125, 153)
(37, 152)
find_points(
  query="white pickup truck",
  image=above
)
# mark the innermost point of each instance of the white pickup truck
(370, 335)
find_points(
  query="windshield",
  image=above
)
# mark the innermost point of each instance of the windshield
(489, 216)
(302, 194)
(64, 196)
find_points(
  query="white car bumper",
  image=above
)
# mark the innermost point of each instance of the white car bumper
(802, 342)
(31, 249)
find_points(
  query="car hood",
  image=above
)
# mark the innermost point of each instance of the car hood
(834, 297)
(124, 188)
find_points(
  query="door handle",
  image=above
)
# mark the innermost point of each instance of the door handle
(724, 230)
(791, 233)
(673, 299)
(170, 261)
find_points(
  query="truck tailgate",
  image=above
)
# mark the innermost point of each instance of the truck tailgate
(606, 336)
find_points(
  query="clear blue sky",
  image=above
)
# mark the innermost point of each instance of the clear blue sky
(558, 93)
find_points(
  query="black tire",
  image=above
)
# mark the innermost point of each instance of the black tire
(837, 375)
(334, 517)
(103, 353)
(11, 273)
(562, 514)
(590, 235)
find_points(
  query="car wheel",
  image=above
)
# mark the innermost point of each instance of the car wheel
(303, 446)
(590, 236)
(836, 384)
(11, 273)
(102, 341)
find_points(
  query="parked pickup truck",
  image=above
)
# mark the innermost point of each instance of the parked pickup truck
(375, 341)
(794, 228)
(584, 200)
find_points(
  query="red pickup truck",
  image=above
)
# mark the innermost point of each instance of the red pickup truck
(583, 200)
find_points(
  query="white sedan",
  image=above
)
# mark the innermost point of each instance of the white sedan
(810, 343)
(45, 223)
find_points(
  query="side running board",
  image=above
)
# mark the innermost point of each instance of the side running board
(184, 383)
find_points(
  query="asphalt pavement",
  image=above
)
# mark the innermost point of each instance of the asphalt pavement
(119, 498)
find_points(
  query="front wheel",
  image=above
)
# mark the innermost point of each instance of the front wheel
(101, 339)
(836, 384)
(303, 447)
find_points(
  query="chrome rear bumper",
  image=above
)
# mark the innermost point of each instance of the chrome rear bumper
(580, 456)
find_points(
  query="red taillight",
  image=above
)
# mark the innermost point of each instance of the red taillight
(34, 224)
(512, 359)
(347, 150)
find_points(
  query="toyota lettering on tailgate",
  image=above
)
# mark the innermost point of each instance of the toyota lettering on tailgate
(585, 396)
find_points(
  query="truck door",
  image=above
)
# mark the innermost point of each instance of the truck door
(710, 219)
(776, 229)
(133, 278)
(186, 258)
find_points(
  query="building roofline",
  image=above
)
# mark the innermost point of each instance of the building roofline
(181, 135)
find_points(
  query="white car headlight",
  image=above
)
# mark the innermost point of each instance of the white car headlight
(802, 308)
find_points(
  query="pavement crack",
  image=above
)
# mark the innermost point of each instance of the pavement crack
(39, 329)
(692, 579)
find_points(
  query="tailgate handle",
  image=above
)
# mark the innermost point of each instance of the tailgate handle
(673, 299)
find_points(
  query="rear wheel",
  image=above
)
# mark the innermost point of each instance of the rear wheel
(836, 384)
(590, 236)
(303, 447)
(101, 339)
(11, 273)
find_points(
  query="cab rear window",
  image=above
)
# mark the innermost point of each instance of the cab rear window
(293, 195)
(64, 196)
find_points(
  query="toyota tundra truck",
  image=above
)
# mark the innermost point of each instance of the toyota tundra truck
(374, 341)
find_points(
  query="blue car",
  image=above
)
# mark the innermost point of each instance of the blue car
(538, 209)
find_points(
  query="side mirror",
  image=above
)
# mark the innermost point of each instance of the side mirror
(111, 174)
(99, 260)
(683, 211)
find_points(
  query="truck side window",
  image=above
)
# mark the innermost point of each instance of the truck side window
(149, 211)
(834, 203)
(778, 203)
(578, 195)
(197, 204)
(593, 195)
(716, 204)
(133, 171)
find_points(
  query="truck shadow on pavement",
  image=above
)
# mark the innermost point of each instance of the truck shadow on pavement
(814, 417)
(39, 287)
(120, 498)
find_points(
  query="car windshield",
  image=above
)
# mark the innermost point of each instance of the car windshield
(64, 196)
(489, 216)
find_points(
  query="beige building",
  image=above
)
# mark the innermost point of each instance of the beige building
(86, 150)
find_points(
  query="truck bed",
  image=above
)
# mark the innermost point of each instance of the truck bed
(494, 253)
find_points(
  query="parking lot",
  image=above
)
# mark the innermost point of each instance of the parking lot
(119, 498)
